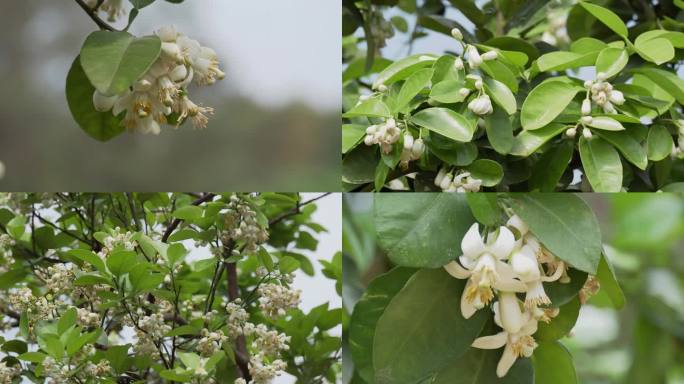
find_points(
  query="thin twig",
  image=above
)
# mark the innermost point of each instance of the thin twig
(296, 210)
(93, 15)
(176, 222)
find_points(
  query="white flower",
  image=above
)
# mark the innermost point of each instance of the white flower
(481, 263)
(458, 63)
(456, 33)
(586, 107)
(481, 105)
(616, 97)
(490, 55)
(516, 344)
(384, 135)
(587, 134)
(103, 103)
(525, 262)
(474, 58)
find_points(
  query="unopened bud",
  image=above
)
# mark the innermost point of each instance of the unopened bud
(456, 33)
(491, 55)
(571, 132)
(586, 107)
(587, 134)
(586, 120)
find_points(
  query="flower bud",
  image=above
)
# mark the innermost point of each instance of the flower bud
(458, 64)
(103, 103)
(608, 107)
(456, 33)
(464, 92)
(167, 34)
(511, 315)
(479, 84)
(616, 97)
(601, 76)
(588, 84)
(418, 149)
(474, 59)
(382, 88)
(180, 72)
(391, 123)
(408, 141)
(586, 107)
(586, 120)
(481, 105)
(446, 181)
(369, 140)
(491, 55)
(571, 132)
(587, 134)
(440, 176)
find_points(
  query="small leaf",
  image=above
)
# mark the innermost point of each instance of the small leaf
(488, 171)
(120, 262)
(403, 68)
(561, 325)
(445, 122)
(548, 170)
(611, 61)
(412, 86)
(609, 283)
(553, 364)
(484, 208)
(373, 107)
(545, 102)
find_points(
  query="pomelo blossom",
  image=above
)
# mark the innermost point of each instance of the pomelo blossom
(161, 96)
(113, 8)
(384, 135)
(449, 180)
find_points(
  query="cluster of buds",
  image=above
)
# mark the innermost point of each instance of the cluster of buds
(43, 307)
(242, 226)
(473, 56)
(8, 373)
(262, 371)
(556, 33)
(384, 135)
(482, 104)
(276, 299)
(163, 90)
(456, 181)
(117, 240)
(6, 258)
(86, 318)
(102, 368)
(678, 148)
(413, 150)
(58, 278)
(113, 8)
(603, 94)
(210, 342)
(499, 262)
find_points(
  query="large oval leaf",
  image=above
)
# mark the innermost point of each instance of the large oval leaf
(478, 366)
(564, 224)
(366, 314)
(403, 68)
(659, 143)
(607, 17)
(611, 61)
(488, 171)
(601, 164)
(545, 103)
(445, 122)
(628, 146)
(548, 170)
(553, 364)
(529, 141)
(421, 229)
(113, 61)
(501, 95)
(422, 329)
(101, 126)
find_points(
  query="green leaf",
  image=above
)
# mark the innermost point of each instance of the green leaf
(501, 95)
(659, 143)
(666, 80)
(412, 86)
(445, 122)
(88, 257)
(478, 366)
(176, 375)
(366, 314)
(499, 131)
(607, 17)
(288, 264)
(484, 208)
(609, 283)
(447, 91)
(120, 262)
(188, 212)
(657, 50)
(91, 279)
(548, 170)
(403, 68)
(16, 346)
(373, 107)
(34, 357)
(628, 147)
(352, 135)
(101, 126)
(113, 61)
(16, 227)
(74, 345)
(184, 330)
(24, 325)
(545, 102)
(489, 171)
(426, 309)
(565, 225)
(527, 142)
(51, 345)
(67, 320)
(190, 360)
(601, 164)
(381, 172)
(265, 258)
(561, 325)
(358, 166)
(611, 61)
(140, 4)
(176, 253)
(561, 60)
(553, 364)
(421, 229)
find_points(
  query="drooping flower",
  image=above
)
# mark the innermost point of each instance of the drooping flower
(481, 105)
(481, 263)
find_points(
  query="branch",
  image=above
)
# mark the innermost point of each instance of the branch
(93, 15)
(241, 354)
(296, 210)
(174, 224)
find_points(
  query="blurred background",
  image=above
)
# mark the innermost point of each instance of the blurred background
(277, 111)
(644, 236)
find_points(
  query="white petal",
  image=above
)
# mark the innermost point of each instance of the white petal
(503, 245)
(525, 264)
(491, 342)
(472, 244)
(511, 315)
(507, 281)
(530, 328)
(455, 270)
(497, 314)
(467, 309)
(506, 362)
(516, 222)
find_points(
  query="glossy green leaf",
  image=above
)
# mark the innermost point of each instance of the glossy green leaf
(445, 122)
(113, 61)
(657, 50)
(609, 283)
(565, 225)
(412, 86)
(373, 107)
(403, 68)
(601, 164)
(659, 143)
(120, 262)
(667, 80)
(489, 171)
(499, 131)
(628, 147)
(447, 91)
(501, 95)
(545, 102)
(88, 257)
(527, 142)
(101, 126)
(562, 60)
(607, 17)
(409, 343)
(478, 366)
(367, 312)
(485, 208)
(611, 61)
(561, 325)
(553, 364)
(548, 170)
(421, 229)
(352, 135)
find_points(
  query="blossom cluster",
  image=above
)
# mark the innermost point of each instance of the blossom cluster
(556, 33)
(210, 342)
(481, 105)
(58, 278)
(507, 264)
(7, 374)
(276, 299)
(78, 368)
(456, 181)
(117, 240)
(162, 93)
(6, 257)
(242, 226)
(384, 135)
(113, 8)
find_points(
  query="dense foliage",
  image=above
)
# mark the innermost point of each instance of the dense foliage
(162, 287)
(520, 265)
(537, 95)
